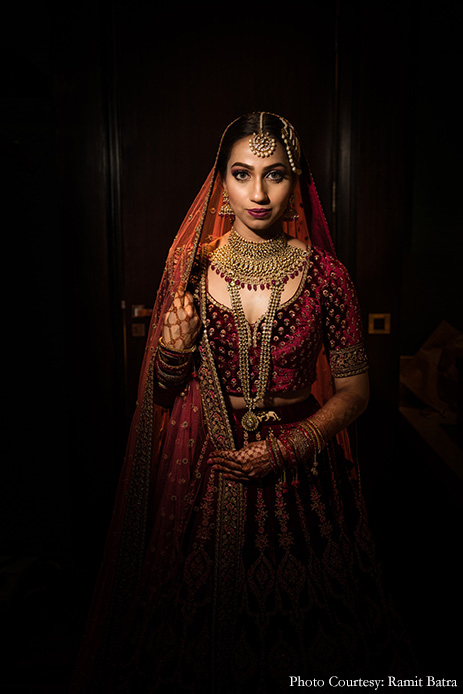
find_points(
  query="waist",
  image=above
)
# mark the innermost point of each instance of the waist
(273, 400)
(286, 414)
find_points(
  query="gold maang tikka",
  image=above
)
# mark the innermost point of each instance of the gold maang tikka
(262, 144)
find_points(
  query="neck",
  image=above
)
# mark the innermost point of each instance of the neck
(258, 235)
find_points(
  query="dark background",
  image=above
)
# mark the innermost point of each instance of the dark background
(110, 117)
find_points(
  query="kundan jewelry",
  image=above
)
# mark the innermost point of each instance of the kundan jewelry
(262, 144)
(291, 214)
(258, 265)
(226, 209)
(293, 148)
(250, 420)
(252, 265)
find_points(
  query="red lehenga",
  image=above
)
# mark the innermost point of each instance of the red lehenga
(209, 585)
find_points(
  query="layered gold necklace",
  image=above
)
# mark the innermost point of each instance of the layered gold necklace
(256, 265)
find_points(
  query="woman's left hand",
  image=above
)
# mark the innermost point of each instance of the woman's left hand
(246, 465)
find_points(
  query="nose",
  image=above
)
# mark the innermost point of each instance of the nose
(259, 191)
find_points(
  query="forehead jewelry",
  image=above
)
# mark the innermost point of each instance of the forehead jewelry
(262, 144)
(293, 148)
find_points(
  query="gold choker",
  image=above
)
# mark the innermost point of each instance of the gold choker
(258, 264)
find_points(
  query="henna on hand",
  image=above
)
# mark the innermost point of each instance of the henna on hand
(250, 463)
(339, 412)
(181, 322)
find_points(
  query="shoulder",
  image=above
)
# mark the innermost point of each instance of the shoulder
(328, 265)
(323, 258)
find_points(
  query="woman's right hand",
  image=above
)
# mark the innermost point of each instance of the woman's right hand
(181, 322)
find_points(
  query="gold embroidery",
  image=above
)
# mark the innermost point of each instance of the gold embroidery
(349, 361)
(230, 502)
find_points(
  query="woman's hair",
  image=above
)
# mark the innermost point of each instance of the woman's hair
(246, 126)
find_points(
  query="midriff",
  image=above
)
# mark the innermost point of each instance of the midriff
(270, 400)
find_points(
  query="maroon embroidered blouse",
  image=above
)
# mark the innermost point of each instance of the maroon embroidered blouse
(324, 311)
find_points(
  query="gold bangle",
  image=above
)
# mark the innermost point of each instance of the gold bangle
(188, 350)
(314, 432)
(177, 365)
(318, 432)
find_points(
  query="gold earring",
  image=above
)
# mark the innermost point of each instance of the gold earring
(290, 214)
(226, 210)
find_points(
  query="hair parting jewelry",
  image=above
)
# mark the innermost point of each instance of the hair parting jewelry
(262, 144)
(293, 148)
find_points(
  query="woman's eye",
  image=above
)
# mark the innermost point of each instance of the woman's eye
(240, 175)
(276, 175)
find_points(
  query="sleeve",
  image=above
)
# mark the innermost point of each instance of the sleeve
(342, 333)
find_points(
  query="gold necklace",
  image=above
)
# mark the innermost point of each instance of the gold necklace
(248, 264)
(250, 420)
(258, 264)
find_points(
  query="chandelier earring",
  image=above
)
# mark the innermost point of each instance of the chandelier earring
(291, 214)
(226, 209)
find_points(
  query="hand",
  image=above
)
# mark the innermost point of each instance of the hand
(246, 465)
(181, 323)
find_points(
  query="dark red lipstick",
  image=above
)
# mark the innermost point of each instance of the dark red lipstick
(259, 213)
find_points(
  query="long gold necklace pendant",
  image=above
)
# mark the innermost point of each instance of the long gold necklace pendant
(250, 421)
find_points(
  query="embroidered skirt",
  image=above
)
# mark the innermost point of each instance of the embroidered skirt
(259, 582)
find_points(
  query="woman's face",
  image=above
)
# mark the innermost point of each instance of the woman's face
(258, 188)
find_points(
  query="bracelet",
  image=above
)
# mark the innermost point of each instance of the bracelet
(308, 426)
(169, 366)
(169, 380)
(303, 446)
(274, 452)
(286, 441)
(173, 350)
(170, 375)
(313, 432)
(302, 442)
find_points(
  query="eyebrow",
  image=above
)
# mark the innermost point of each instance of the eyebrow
(266, 168)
